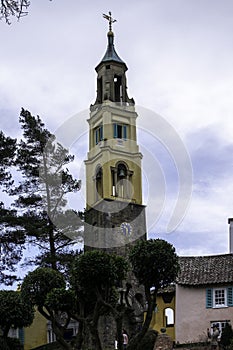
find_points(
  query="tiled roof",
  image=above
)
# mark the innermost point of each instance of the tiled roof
(203, 270)
(169, 289)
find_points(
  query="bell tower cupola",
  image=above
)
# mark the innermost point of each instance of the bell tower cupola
(111, 78)
(114, 209)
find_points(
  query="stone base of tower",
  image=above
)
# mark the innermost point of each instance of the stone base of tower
(115, 226)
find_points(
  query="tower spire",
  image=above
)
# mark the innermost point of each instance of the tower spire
(111, 79)
(109, 19)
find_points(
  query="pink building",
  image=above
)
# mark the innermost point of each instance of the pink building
(204, 295)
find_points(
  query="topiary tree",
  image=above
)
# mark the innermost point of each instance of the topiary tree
(14, 311)
(95, 278)
(92, 293)
(155, 264)
(45, 288)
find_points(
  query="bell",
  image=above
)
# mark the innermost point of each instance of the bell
(121, 173)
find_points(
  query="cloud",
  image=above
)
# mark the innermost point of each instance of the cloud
(211, 156)
(179, 56)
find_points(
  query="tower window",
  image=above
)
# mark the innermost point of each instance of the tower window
(118, 88)
(99, 90)
(99, 183)
(108, 66)
(120, 131)
(98, 134)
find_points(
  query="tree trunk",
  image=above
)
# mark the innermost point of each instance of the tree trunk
(95, 337)
(79, 337)
(59, 337)
(119, 333)
(55, 328)
(51, 228)
(134, 343)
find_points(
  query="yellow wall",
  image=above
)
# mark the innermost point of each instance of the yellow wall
(159, 320)
(36, 334)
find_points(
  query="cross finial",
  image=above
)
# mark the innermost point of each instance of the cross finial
(110, 20)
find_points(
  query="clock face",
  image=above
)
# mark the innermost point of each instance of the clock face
(126, 228)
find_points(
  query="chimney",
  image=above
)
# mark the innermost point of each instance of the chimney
(230, 222)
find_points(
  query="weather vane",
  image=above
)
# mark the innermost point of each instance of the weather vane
(110, 20)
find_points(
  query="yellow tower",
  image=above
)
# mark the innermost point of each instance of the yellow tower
(115, 215)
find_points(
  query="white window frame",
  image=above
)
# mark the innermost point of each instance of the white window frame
(51, 337)
(218, 305)
(221, 326)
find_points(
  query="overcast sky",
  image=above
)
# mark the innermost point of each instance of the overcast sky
(179, 55)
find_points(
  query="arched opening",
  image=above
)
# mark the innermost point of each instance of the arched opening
(99, 90)
(122, 181)
(99, 183)
(169, 317)
(118, 88)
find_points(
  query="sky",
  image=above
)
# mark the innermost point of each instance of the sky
(179, 55)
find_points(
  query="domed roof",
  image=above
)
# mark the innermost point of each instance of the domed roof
(110, 54)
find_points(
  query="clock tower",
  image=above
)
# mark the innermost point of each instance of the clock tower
(115, 215)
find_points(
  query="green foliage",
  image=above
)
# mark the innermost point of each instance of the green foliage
(41, 194)
(94, 278)
(14, 311)
(154, 263)
(11, 240)
(10, 344)
(97, 270)
(11, 244)
(7, 151)
(61, 299)
(148, 341)
(39, 283)
(227, 336)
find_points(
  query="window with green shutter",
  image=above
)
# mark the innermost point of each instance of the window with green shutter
(219, 297)
(98, 134)
(120, 131)
(230, 296)
(209, 298)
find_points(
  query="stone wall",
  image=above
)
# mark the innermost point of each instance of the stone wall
(163, 342)
(202, 346)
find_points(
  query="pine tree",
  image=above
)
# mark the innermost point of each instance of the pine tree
(41, 194)
(10, 8)
(11, 233)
